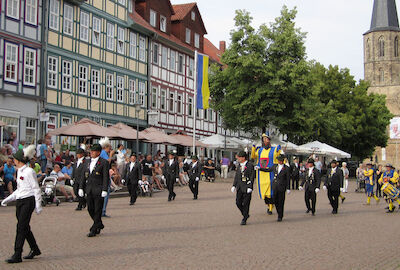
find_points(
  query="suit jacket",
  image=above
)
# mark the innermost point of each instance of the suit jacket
(195, 171)
(99, 179)
(295, 171)
(311, 182)
(77, 173)
(133, 176)
(334, 181)
(282, 179)
(244, 180)
(171, 172)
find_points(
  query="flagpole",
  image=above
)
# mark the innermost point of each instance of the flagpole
(195, 102)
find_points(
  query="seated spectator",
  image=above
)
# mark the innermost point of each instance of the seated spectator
(67, 170)
(147, 171)
(9, 175)
(66, 157)
(61, 183)
(183, 176)
(3, 155)
(209, 169)
(58, 158)
(157, 176)
(115, 177)
(38, 170)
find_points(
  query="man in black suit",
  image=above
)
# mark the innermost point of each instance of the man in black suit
(311, 184)
(171, 174)
(334, 183)
(295, 173)
(97, 179)
(243, 185)
(194, 173)
(281, 184)
(77, 177)
(132, 176)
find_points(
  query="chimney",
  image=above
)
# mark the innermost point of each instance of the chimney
(222, 46)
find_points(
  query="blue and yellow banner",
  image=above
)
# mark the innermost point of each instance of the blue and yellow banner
(202, 88)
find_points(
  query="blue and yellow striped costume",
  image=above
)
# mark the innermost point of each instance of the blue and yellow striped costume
(389, 180)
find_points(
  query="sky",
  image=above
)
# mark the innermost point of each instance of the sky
(334, 28)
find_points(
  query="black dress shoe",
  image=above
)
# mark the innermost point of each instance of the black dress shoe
(279, 219)
(243, 222)
(308, 211)
(98, 231)
(334, 212)
(169, 199)
(269, 212)
(131, 203)
(91, 234)
(78, 209)
(33, 253)
(173, 197)
(313, 213)
(344, 198)
(14, 259)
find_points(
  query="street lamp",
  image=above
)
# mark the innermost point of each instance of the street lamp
(138, 107)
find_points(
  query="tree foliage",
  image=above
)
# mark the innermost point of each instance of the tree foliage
(268, 81)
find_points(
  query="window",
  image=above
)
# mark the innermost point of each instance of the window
(191, 67)
(172, 60)
(154, 98)
(190, 106)
(132, 45)
(381, 47)
(121, 40)
(142, 93)
(171, 105)
(31, 11)
(130, 6)
(180, 63)
(52, 72)
(66, 75)
(29, 67)
(193, 15)
(381, 75)
(163, 100)
(196, 40)
(120, 89)
(188, 35)
(153, 18)
(122, 2)
(11, 63)
(205, 114)
(68, 19)
(179, 104)
(132, 94)
(163, 23)
(109, 86)
(96, 31)
(13, 9)
(110, 36)
(155, 53)
(31, 130)
(54, 14)
(142, 45)
(164, 59)
(210, 115)
(396, 47)
(95, 83)
(83, 80)
(84, 32)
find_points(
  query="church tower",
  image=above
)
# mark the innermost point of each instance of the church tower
(382, 67)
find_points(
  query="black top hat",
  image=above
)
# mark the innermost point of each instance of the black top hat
(96, 147)
(334, 161)
(242, 154)
(80, 151)
(195, 157)
(369, 164)
(310, 160)
(281, 157)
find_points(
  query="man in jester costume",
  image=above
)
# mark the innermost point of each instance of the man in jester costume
(369, 183)
(389, 181)
(264, 158)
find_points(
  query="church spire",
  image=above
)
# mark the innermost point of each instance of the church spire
(384, 16)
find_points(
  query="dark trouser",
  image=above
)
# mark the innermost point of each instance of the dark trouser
(295, 182)
(279, 198)
(243, 203)
(333, 196)
(82, 200)
(310, 195)
(24, 212)
(95, 207)
(170, 186)
(43, 164)
(194, 187)
(132, 188)
(378, 190)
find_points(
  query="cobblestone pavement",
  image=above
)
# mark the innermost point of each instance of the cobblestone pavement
(205, 234)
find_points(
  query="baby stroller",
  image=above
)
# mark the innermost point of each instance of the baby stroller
(144, 188)
(49, 191)
(360, 186)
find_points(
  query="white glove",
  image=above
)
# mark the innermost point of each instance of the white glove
(10, 198)
(300, 188)
(249, 190)
(163, 177)
(233, 189)
(71, 182)
(325, 188)
(38, 208)
(140, 182)
(341, 189)
(3, 203)
(316, 190)
(256, 168)
(104, 194)
(197, 179)
(123, 181)
(81, 193)
(288, 191)
(177, 180)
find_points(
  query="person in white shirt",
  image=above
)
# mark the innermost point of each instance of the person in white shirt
(121, 156)
(28, 197)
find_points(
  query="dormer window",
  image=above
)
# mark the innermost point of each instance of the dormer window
(153, 18)
(188, 35)
(193, 16)
(163, 23)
